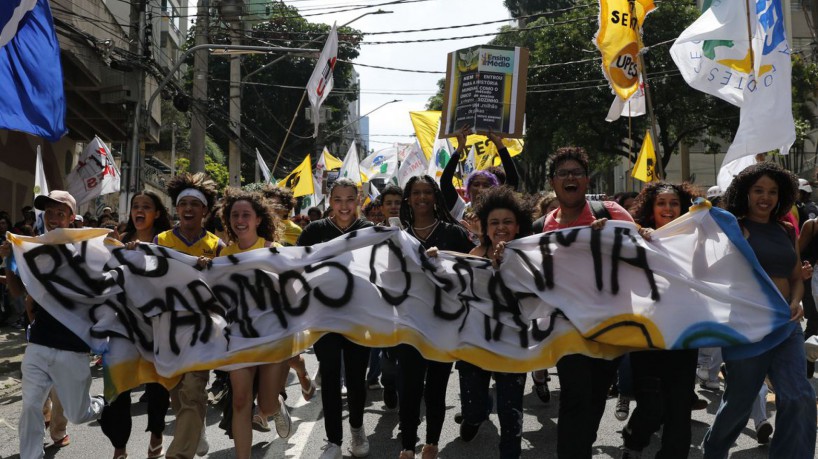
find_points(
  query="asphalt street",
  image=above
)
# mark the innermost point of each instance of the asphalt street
(308, 436)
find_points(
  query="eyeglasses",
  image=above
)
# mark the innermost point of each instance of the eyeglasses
(564, 173)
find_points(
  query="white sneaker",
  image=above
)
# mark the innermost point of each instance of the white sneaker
(703, 374)
(282, 419)
(204, 446)
(359, 445)
(331, 451)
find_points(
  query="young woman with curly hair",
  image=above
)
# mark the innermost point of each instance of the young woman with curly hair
(505, 217)
(251, 222)
(663, 381)
(759, 197)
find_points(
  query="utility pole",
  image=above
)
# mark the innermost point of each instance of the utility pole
(234, 148)
(198, 122)
(173, 151)
(137, 47)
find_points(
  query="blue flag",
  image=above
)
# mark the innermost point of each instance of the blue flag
(33, 99)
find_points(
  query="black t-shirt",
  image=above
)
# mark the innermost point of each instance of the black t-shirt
(48, 331)
(324, 230)
(447, 236)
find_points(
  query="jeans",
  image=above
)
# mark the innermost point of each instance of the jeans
(421, 379)
(332, 350)
(795, 401)
(624, 377)
(584, 384)
(474, 394)
(69, 374)
(664, 383)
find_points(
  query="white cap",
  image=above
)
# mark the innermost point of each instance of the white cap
(714, 192)
(803, 185)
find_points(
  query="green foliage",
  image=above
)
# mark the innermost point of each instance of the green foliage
(436, 102)
(217, 170)
(268, 107)
(524, 7)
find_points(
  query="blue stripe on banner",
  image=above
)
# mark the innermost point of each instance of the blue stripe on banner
(782, 327)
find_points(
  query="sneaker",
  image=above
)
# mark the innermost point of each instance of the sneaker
(407, 454)
(699, 404)
(542, 391)
(468, 431)
(390, 398)
(343, 389)
(260, 424)
(623, 408)
(702, 374)
(359, 444)
(429, 452)
(713, 386)
(627, 453)
(763, 432)
(282, 420)
(204, 446)
(374, 385)
(331, 451)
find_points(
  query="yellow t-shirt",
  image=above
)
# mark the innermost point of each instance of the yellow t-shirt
(291, 232)
(208, 245)
(233, 248)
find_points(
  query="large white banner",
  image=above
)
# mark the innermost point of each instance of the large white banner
(154, 315)
(95, 175)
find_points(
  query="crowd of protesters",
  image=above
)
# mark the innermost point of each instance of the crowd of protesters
(764, 198)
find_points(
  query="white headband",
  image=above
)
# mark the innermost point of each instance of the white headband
(194, 193)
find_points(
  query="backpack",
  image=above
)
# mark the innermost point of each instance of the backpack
(599, 210)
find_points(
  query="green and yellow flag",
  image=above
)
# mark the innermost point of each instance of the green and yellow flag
(300, 179)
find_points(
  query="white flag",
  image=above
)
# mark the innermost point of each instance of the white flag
(351, 168)
(265, 171)
(40, 188)
(766, 121)
(96, 173)
(441, 153)
(320, 84)
(634, 106)
(470, 164)
(730, 169)
(383, 163)
(714, 56)
(414, 164)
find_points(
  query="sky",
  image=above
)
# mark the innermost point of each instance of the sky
(391, 123)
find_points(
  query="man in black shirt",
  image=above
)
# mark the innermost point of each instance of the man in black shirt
(55, 356)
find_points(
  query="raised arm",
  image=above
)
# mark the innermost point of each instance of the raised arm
(512, 176)
(446, 184)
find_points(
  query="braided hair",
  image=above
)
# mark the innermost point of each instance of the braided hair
(440, 210)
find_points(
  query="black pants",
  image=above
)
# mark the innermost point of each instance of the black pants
(329, 350)
(421, 378)
(663, 383)
(584, 383)
(116, 418)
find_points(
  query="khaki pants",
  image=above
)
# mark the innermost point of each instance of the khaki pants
(189, 402)
(53, 414)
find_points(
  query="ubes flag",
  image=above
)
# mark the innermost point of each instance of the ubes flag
(95, 175)
(33, 99)
(619, 41)
(716, 56)
(300, 179)
(154, 315)
(645, 168)
(321, 81)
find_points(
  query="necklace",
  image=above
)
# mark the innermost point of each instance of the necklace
(434, 223)
(343, 230)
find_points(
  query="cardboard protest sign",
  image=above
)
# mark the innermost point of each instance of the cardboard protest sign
(485, 89)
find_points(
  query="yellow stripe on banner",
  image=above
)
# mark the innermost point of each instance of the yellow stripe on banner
(628, 330)
(59, 236)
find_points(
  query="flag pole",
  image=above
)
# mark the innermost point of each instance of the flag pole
(658, 167)
(287, 134)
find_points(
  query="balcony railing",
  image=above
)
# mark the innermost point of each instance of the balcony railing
(154, 176)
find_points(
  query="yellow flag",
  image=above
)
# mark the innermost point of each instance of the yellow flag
(645, 168)
(300, 179)
(426, 124)
(618, 39)
(331, 163)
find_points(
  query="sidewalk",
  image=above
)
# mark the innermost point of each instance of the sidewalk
(12, 347)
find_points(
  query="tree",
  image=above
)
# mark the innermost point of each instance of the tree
(270, 97)
(436, 101)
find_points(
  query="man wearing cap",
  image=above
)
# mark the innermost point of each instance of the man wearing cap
(714, 194)
(55, 356)
(806, 208)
